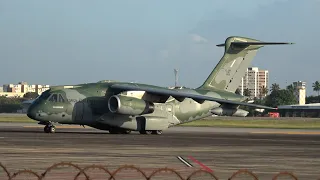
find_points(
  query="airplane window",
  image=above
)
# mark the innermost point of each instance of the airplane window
(61, 98)
(53, 98)
(45, 94)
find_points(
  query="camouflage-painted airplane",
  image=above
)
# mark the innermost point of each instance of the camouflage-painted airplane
(122, 107)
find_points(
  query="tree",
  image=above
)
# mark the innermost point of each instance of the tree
(31, 95)
(246, 92)
(263, 91)
(316, 86)
(290, 88)
(10, 105)
(238, 91)
(280, 97)
(275, 87)
(312, 99)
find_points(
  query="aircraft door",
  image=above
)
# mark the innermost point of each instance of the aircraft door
(78, 111)
(83, 112)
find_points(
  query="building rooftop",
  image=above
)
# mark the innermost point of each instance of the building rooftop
(304, 106)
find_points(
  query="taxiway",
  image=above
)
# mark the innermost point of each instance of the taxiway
(265, 152)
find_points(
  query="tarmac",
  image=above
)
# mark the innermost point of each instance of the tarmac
(223, 151)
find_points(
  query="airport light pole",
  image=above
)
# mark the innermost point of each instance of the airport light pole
(175, 77)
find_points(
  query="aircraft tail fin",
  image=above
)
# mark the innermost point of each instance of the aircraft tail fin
(238, 54)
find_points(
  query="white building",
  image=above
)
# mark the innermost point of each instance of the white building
(24, 87)
(255, 80)
(300, 91)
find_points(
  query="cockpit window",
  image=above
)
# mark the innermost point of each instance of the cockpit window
(53, 98)
(56, 98)
(61, 98)
(44, 95)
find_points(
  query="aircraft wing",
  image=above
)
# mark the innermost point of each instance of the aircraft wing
(166, 93)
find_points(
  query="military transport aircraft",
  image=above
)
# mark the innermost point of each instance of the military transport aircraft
(122, 107)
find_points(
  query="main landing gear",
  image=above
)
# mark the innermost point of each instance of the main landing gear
(119, 131)
(115, 130)
(158, 132)
(49, 128)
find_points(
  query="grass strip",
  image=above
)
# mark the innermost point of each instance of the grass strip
(258, 123)
(283, 123)
(16, 119)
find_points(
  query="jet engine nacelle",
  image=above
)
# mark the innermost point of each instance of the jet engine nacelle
(229, 112)
(129, 105)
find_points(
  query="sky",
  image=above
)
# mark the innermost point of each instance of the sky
(77, 41)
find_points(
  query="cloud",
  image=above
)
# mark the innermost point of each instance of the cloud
(196, 38)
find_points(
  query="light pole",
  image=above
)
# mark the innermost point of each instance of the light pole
(176, 77)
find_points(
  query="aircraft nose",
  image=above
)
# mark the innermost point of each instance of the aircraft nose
(31, 113)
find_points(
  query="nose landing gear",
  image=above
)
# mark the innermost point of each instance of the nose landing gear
(49, 128)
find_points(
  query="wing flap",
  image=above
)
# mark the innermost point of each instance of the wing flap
(180, 95)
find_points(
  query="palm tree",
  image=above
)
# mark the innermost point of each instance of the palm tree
(263, 91)
(275, 87)
(238, 91)
(246, 92)
(316, 86)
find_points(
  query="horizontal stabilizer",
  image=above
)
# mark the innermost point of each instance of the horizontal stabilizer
(240, 44)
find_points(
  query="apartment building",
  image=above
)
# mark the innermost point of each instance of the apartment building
(256, 80)
(22, 88)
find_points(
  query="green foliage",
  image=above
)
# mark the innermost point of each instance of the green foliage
(31, 95)
(275, 87)
(246, 92)
(312, 99)
(238, 91)
(280, 97)
(251, 110)
(263, 91)
(290, 88)
(10, 105)
(276, 98)
(316, 86)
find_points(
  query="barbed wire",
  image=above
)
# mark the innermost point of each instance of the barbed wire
(112, 174)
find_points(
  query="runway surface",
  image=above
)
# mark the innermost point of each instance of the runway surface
(265, 152)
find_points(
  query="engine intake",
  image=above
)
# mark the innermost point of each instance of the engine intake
(129, 105)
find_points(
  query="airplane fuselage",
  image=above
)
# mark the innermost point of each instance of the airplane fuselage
(87, 104)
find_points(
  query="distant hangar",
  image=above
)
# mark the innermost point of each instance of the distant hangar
(305, 110)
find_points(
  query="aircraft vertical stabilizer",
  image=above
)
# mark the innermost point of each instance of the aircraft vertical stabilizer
(239, 52)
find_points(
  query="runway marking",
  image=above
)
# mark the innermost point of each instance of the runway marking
(184, 161)
(286, 132)
(202, 165)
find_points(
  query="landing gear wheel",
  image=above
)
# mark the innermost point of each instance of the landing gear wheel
(145, 132)
(119, 131)
(158, 132)
(52, 129)
(49, 129)
(126, 132)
